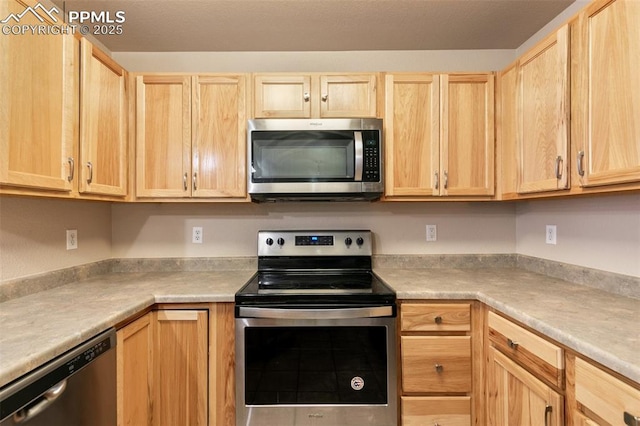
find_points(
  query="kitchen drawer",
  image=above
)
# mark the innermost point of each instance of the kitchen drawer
(436, 363)
(540, 356)
(436, 410)
(435, 317)
(599, 393)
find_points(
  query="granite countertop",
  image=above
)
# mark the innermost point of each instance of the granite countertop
(602, 326)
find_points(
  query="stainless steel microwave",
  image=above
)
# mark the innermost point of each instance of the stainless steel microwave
(315, 160)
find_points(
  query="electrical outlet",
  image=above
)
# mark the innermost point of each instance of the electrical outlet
(196, 236)
(551, 234)
(72, 239)
(432, 233)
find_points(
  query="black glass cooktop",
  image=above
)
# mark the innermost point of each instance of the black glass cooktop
(315, 288)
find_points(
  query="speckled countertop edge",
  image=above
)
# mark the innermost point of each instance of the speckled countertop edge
(46, 324)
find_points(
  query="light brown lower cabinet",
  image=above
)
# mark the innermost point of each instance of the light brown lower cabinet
(176, 367)
(436, 410)
(597, 398)
(516, 397)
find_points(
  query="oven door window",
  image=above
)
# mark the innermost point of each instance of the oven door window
(315, 365)
(294, 156)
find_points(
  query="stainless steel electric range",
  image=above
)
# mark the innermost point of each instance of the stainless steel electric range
(315, 334)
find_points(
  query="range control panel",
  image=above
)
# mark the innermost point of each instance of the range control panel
(315, 243)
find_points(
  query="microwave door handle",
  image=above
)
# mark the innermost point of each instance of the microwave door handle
(359, 155)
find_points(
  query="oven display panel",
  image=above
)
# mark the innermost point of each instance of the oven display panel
(314, 240)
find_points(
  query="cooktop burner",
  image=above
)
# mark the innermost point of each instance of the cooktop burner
(315, 268)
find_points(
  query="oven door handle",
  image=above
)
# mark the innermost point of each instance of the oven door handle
(341, 313)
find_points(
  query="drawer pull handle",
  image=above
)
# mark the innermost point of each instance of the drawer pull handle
(439, 368)
(513, 345)
(438, 319)
(631, 420)
(547, 410)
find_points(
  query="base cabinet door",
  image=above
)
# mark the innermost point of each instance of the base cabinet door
(515, 397)
(162, 369)
(180, 367)
(134, 343)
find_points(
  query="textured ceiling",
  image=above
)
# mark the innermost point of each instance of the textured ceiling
(321, 25)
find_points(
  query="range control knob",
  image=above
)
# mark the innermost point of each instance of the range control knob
(280, 241)
(359, 241)
(269, 241)
(348, 241)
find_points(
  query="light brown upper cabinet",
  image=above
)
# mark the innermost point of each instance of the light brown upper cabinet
(39, 109)
(439, 135)
(103, 124)
(606, 93)
(542, 115)
(190, 136)
(314, 95)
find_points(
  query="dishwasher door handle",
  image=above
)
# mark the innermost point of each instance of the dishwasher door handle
(47, 398)
(302, 314)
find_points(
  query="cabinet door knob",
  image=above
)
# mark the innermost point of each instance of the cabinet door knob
(439, 368)
(631, 420)
(438, 319)
(325, 97)
(306, 97)
(512, 344)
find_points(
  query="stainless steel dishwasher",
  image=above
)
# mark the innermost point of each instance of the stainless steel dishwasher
(77, 388)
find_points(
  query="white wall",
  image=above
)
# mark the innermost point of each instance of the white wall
(33, 234)
(599, 232)
(420, 60)
(164, 230)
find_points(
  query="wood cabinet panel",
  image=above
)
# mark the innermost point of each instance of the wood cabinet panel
(103, 124)
(38, 112)
(436, 410)
(348, 96)
(163, 136)
(412, 129)
(436, 363)
(435, 317)
(543, 115)
(467, 134)
(606, 93)
(133, 352)
(538, 354)
(180, 360)
(603, 395)
(516, 397)
(506, 137)
(219, 141)
(282, 96)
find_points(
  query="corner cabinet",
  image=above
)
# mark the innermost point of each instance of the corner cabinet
(438, 347)
(38, 114)
(315, 95)
(525, 376)
(103, 124)
(190, 136)
(542, 115)
(606, 93)
(597, 398)
(439, 135)
(175, 367)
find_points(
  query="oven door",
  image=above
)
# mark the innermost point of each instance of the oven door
(316, 367)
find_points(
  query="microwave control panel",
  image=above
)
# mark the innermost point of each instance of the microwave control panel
(371, 167)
